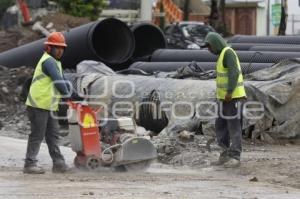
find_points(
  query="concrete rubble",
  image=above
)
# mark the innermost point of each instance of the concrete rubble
(17, 36)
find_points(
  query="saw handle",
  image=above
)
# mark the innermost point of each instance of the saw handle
(78, 105)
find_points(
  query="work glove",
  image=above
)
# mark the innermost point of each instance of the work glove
(75, 97)
(228, 97)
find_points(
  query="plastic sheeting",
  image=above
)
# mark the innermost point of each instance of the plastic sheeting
(277, 88)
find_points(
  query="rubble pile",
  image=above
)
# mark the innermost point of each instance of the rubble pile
(64, 22)
(19, 36)
(11, 84)
(195, 151)
(13, 117)
(12, 113)
(16, 37)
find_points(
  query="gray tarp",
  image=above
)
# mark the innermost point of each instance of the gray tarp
(277, 88)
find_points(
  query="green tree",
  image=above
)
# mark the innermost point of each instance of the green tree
(82, 8)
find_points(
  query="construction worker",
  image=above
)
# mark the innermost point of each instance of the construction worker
(46, 89)
(230, 95)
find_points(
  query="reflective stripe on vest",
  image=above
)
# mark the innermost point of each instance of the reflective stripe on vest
(222, 78)
(43, 94)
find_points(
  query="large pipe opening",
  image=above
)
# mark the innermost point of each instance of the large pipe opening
(148, 38)
(112, 41)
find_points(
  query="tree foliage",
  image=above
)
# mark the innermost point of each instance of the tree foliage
(82, 8)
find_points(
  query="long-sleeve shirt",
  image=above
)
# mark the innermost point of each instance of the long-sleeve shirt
(217, 43)
(50, 68)
(230, 62)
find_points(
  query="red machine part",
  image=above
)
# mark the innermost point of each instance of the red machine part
(90, 156)
(25, 11)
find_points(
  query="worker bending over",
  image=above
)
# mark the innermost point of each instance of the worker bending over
(230, 95)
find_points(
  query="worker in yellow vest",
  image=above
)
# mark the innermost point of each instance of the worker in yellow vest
(230, 95)
(47, 87)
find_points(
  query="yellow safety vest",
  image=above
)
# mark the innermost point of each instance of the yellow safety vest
(222, 78)
(43, 94)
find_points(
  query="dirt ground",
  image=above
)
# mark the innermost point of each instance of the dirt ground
(271, 171)
(18, 36)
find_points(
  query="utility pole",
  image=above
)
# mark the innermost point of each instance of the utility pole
(146, 10)
(162, 16)
(222, 11)
(283, 18)
(186, 10)
(268, 17)
(214, 13)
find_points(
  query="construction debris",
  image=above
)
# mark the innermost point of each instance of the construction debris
(19, 36)
(13, 115)
(254, 179)
(37, 26)
(186, 136)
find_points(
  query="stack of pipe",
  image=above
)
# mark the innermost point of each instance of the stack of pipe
(254, 52)
(265, 43)
(110, 41)
(265, 39)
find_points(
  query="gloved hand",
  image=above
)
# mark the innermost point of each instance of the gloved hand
(228, 97)
(76, 97)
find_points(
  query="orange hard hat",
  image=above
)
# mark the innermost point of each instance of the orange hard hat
(56, 39)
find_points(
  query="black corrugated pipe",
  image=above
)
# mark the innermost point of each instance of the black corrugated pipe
(151, 67)
(110, 41)
(151, 118)
(247, 46)
(265, 39)
(275, 48)
(148, 38)
(170, 55)
(241, 46)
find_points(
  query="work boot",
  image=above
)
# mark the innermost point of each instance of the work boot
(222, 159)
(33, 170)
(61, 168)
(232, 163)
